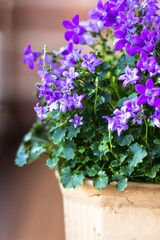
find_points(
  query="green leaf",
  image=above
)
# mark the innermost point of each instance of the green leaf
(101, 180)
(91, 171)
(105, 65)
(22, 156)
(135, 132)
(35, 152)
(59, 134)
(28, 136)
(125, 60)
(132, 96)
(121, 180)
(95, 148)
(106, 96)
(157, 141)
(157, 150)
(69, 148)
(124, 140)
(81, 149)
(69, 180)
(138, 154)
(59, 150)
(122, 62)
(51, 162)
(130, 60)
(114, 163)
(153, 171)
(90, 135)
(120, 102)
(72, 132)
(126, 170)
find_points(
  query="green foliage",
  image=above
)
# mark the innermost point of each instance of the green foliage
(51, 162)
(96, 148)
(22, 156)
(137, 154)
(125, 60)
(125, 140)
(121, 181)
(72, 132)
(101, 180)
(69, 150)
(153, 171)
(59, 134)
(68, 179)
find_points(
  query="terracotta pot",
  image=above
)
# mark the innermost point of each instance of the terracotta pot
(109, 214)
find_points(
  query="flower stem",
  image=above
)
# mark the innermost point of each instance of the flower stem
(146, 125)
(96, 97)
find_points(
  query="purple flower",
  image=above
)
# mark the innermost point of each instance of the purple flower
(127, 38)
(47, 78)
(130, 76)
(92, 25)
(148, 39)
(148, 93)
(116, 123)
(156, 118)
(77, 121)
(30, 56)
(90, 62)
(135, 110)
(40, 111)
(65, 102)
(64, 50)
(119, 121)
(123, 114)
(71, 74)
(128, 19)
(75, 31)
(147, 63)
(107, 12)
(77, 100)
(132, 106)
(149, 13)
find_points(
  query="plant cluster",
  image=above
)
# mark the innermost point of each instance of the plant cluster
(99, 112)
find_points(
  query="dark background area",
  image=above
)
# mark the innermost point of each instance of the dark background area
(30, 199)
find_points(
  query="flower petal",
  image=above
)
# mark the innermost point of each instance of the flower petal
(149, 83)
(119, 45)
(141, 100)
(129, 49)
(75, 19)
(67, 24)
(140, 88)
(100, 5)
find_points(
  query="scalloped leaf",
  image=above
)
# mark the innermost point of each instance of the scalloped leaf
(101, 180)
(138, 154)
(59, 134)
(69, 180)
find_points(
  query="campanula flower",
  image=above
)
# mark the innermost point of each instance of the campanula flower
(74, 30)
(40, 111)
(148, 93)
(147, 63)
(77, 121)
(130, 76)
(90, 62)
(30, 56)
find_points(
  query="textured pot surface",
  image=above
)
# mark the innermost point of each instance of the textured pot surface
(109, 214)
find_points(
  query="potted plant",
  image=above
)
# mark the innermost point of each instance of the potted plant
(98, 121)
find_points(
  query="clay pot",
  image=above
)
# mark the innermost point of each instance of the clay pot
(109, 214)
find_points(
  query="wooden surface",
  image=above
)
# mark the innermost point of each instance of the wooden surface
(30, 201)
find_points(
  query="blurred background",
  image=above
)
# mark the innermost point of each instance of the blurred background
(30, 200)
